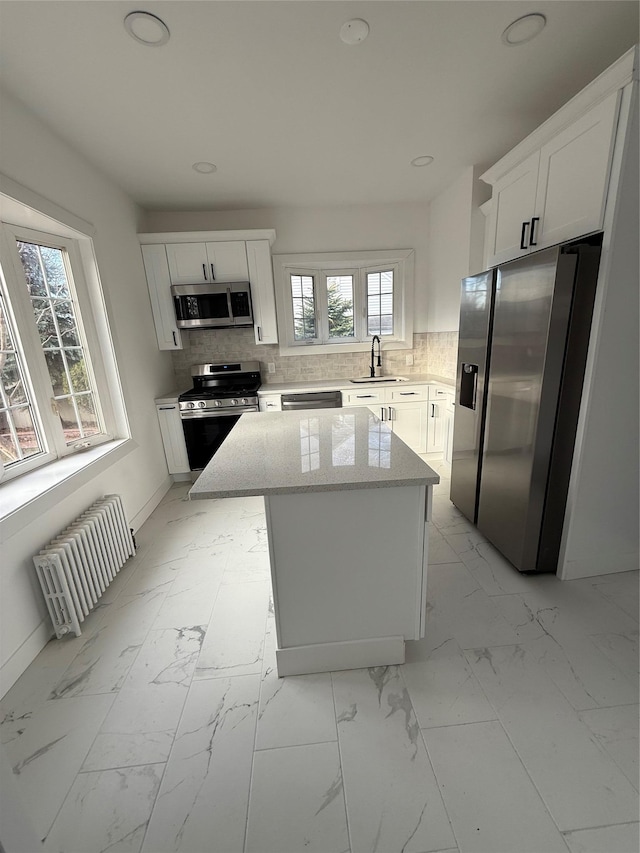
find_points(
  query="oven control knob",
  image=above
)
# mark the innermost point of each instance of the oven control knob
(217, 403)
(234, 402)
(202, 404)
(245, 402)
(191, 405)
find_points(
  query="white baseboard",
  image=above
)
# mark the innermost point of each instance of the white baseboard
(353, 654)
(140, 517)
(13, 668)
(598, 565)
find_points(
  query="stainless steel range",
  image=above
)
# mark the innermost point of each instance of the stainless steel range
(221, 393)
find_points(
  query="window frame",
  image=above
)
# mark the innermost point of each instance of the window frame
(357, 264)
(94, 336)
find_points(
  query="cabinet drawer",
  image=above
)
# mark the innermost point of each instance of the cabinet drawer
(364, 398)
(439, 392)
(412, 394)
(270, 403)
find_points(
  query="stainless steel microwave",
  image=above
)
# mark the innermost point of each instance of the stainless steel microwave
(212, 305)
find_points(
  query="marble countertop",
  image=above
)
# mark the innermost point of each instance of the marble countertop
(270, 453)
(341, 384)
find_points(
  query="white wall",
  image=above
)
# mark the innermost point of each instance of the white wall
(325, 229)
(456, 236)
(42, 162)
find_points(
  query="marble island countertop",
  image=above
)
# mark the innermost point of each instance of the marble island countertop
(272, 453)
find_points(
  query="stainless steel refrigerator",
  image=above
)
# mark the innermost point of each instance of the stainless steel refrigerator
(524, 334)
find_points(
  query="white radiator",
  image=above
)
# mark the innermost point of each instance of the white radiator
(77, 566)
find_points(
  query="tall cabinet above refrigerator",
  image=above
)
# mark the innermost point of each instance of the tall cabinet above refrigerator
(524, 333)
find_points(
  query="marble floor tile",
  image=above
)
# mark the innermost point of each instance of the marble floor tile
(294, 710)
(106, 810)
(235, 637)
(393, 801)
(113, 750)
(492, 571)
(146, 710)
(621, 648)
(439, 549)
(567, 609)
(586, 677)
(579, 783)
(464, 610)
(493, 805)
(202, 803)
(188, 605)
(622, 590)
(51, 751)
(444, 513)
(443, 689)
(623, 838)
(297, 801)
(616, 729)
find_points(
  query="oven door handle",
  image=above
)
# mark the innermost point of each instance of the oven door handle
(215, 413)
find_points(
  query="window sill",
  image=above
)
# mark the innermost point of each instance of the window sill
(26, 498)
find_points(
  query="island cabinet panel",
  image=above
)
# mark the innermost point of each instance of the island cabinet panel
(350, 599)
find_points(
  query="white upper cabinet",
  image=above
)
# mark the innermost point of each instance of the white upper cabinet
(193, 257)
(159, 284)
(558, 192)
(262, 295)
(574, 175)
(190, 263)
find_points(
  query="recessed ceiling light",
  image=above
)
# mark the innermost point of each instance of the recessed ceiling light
(424, 160)
(354, 31)
(204, 168)
(524, 29)
(146, 28)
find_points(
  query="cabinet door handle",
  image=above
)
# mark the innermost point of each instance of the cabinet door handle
(175, 342)
(391, 411)
(382, 411)
(204, 271)
(364, 396)
(213, 275)
(433, 410)
(408, 393)
(259, 328)
(535, 219)
(523, 235)
(166, 408)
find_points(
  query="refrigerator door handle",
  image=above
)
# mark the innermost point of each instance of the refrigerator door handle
(469, 385)
(523, 235)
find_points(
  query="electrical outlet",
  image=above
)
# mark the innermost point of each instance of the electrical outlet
(271, 367)
(408, 359)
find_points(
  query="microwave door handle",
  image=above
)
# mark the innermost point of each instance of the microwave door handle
(229, 308)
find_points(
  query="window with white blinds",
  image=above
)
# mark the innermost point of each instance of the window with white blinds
(337, 302)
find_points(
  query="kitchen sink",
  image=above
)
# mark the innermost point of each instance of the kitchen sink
(363, 379)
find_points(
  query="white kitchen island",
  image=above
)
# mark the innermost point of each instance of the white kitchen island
(346, 505)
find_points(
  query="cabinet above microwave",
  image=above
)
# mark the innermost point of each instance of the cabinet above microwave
(253, 245)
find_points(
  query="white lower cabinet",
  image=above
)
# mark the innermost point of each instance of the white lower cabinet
(409, 422)
(270, 403)
(172, 433)
(448, 437)
(404, 409)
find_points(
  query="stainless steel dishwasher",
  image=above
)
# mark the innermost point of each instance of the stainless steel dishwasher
(311, 400)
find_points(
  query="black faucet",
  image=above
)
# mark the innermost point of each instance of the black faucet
(379, 364)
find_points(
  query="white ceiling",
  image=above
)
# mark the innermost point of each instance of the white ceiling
(289, 113)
